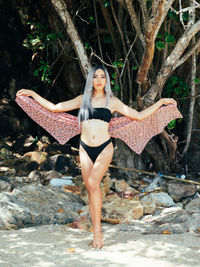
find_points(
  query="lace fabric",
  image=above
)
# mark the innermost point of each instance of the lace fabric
(135, 134)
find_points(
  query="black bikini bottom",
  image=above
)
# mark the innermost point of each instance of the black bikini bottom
(94, 151)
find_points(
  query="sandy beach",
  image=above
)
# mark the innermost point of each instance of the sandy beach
(59, 245)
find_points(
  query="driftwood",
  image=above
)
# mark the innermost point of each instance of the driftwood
(153, 174)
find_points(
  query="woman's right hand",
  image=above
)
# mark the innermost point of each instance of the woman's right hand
(26, 92)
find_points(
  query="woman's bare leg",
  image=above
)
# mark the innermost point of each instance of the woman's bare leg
(92, 175)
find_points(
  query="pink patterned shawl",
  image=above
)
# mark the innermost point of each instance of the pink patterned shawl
(135, 134)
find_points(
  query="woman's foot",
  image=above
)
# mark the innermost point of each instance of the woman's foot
(97, 241)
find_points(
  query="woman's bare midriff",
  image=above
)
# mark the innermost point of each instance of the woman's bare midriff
(94, 132)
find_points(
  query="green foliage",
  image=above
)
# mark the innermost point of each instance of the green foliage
(106, 3)
(197, 80)
(39, 40)
(172, 124)
(107, 39)
(176, 87)
(163, 39)
(160, 45)
(185, 16)
(44, 72)
(91, 18)
(172, 15)
(114, 83)
(87, 46)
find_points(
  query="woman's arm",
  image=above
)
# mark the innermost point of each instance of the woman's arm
(60, 107)
(125, 110)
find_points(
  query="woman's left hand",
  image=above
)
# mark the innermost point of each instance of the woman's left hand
(168, 101)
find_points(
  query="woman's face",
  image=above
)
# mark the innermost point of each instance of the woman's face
(99, 79)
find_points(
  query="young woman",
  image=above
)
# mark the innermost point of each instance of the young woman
(96, 149)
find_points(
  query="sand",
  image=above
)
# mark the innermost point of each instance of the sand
(63, 246)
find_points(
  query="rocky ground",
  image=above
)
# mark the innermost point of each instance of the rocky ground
(41, 186)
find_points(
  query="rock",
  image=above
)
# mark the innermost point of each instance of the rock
(107, 184)
(148, 204)
(118, 210)
(121, 186)
(34, 204)
(60, 163)
(193, 206)
(161, 199)
(5, 154)
(34, 176)
(169, 215)
(52, 174)
(144, 228)
(72, 189)
(60, 182)
(179, 190)
(5, 186)
(193, 222)
(82, 222)
(36, 156)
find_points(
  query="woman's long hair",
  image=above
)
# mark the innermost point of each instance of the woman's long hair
(86, 105)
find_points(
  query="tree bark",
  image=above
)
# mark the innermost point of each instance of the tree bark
(170, 62)
(64, 15)
(134, 21)
(151, 33)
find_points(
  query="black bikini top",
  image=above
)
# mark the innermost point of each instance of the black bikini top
(103, 114)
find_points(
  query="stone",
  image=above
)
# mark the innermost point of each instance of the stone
(5, 154)
(162, 199)
(60, 163)
(107, 184)
(34, 176)
(36, 156)
(121, 186)
(193, 222)
(5, 186)
(193, 206)
(178, 190)
(52, 174)
(119, 210)
(169, 215)
(34, 204)
(60, 182)
(82, 222)
(148, 204)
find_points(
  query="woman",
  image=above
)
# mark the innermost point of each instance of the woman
(96, 148)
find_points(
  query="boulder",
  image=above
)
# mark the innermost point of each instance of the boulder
(34, 204)
(118, 210)
(179, 190)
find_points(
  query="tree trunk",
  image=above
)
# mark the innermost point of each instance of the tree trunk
(64, 15)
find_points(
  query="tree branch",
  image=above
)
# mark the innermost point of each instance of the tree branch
(134, 21)
(189, 53)
(151, 33)
(110, 27)
(64, 15)
(170, 62)
(193, 89)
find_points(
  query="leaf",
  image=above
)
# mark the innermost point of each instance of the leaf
(172, 124)
(60, 210)
(197, 80)
(166, 232)
(172, 14)
(91, 18)
(36, 73)
(135, 67)
(106, 3)
(185, 16)
(107, 39)
(71, 250)
(160, 45)
(170, 39)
